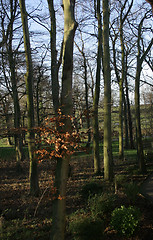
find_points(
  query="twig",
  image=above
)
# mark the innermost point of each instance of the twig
(40, 201)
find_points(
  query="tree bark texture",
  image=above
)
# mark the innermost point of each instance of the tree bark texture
(54, 64)
(59, 205)
(13, 77)
(108, 159)
(128, 107)
(97, 93)
(33, 173)
(140, 59)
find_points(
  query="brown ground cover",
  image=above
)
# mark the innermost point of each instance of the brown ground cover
(26, 217)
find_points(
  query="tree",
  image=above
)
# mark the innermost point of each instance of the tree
(84, 65)
(97, 91)
(121, 72)
(122, 79)
(33, 173)
(8, 51)
(108, 159)
(141, 55)
(128, 102)
(59, 205)
(54, 64)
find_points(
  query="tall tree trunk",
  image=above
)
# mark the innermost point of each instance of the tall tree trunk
(128, 109)
(33, 173)
(86, 90)
(11, 59)
(59, 205)
(140, 59)
(54, 65)
(121, 148)
(97, 93)
(108, 158)
(140, 154)
(6, 114)
(120, 83)
(122, 79)
(87, 102)
(126, 124)
(17, 114)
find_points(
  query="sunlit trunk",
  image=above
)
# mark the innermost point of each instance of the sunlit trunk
(108, 159)
(59, 205)
(33, 173)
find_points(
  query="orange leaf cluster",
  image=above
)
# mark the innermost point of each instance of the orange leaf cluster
(54, 141)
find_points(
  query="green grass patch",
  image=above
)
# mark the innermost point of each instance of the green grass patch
(7, 153)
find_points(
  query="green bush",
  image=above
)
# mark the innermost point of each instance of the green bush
(148, 154)
(125, 220)
(131, 190)
(101, 205)
(91, 188)
(84, 227)
(120, 179)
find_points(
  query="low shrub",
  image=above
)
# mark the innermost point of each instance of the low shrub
(85, 227)
(131, 190)
(101, 205)
(120, 179)
(125, 220)
(148, 154)
(91, 189)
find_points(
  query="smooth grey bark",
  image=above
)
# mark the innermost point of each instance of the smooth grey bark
(108, 158)
(62, 168)
(33, 172)
(54, 63)
(97, 91)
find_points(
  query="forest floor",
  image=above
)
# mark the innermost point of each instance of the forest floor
(27, 217)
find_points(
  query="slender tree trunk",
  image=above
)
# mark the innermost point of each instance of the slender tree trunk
(129, 110)
(86, 99)
(54, 65)
(126, 124)
(140, 154)
(17, 114)
(122, 79)
(33, 173)
(86, 91)
(38, 98)
(59, 205)
(140, 59)
(108, 158)
(121, 146)
(121, 149)
(5, 110)
(96, 94)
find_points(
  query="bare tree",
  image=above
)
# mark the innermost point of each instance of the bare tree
(33, 174)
